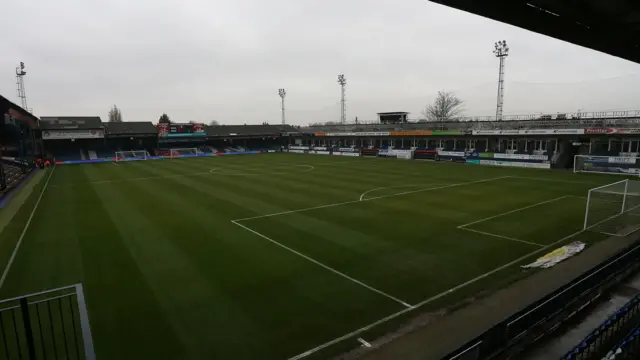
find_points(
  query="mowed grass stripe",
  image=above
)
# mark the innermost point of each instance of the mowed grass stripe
(78, 242)
(249, 193)
(206, 242)
(183, 292)
(366, 240)
(406, 245)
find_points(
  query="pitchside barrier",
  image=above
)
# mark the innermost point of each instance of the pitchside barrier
(620, 165)
(52, 324)
(532, 320)
(162, 157)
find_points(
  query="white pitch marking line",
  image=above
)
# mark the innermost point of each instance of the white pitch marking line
(324, 266)
(115, 163)
(501, 237)
(427, 301)
(391, 187)
(513, 211)
(24, 230)
(364, 342)
(368, 199)
(610, 234)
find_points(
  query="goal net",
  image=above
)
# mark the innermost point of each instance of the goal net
(131, 155)
(614, 209)
(183, 152)
(621, 165)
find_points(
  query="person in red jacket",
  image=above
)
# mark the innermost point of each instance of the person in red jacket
(47, 163)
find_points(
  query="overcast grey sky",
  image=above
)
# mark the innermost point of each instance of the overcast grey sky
(225, 60)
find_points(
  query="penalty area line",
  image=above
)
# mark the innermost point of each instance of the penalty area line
(24, 230)
(513, 211)
(405, 304)
(429, 300)
(501, 236)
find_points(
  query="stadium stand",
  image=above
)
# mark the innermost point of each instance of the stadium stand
(600, 342)
(508, 122)
(13, 171)
(132, 128)
(69, 137)
(249, 130)
(128, 136)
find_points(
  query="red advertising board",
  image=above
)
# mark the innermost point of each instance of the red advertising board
(599, 131)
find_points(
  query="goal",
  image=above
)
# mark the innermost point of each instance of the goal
(183, 152)
(131, 155)
(621, 165)
(614, 209)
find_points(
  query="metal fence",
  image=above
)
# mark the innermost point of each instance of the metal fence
(52, 324)
(594, 345)
(628, 349)
(529, 320)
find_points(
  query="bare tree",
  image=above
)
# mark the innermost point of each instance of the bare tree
(214, 123)
(447, 106)
(115, 115)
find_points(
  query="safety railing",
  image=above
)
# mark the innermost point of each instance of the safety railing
(52, 324)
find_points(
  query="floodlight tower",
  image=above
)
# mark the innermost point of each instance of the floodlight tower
(282, 94)
(343, 110)
(501, 51)
(20, 73)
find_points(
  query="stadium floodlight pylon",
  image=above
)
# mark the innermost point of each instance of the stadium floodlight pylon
(183, 152)
(132, 155)
(611, 165)
(614, 209)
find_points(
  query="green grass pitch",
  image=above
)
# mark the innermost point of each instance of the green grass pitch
(280, 256)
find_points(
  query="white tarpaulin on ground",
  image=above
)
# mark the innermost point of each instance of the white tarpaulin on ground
(557, 255)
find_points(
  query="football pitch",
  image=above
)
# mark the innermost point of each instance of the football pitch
(280, 256)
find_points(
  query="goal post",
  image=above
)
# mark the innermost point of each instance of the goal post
(131, 155)
(614, 165)
(614, 209)
(183, 152)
